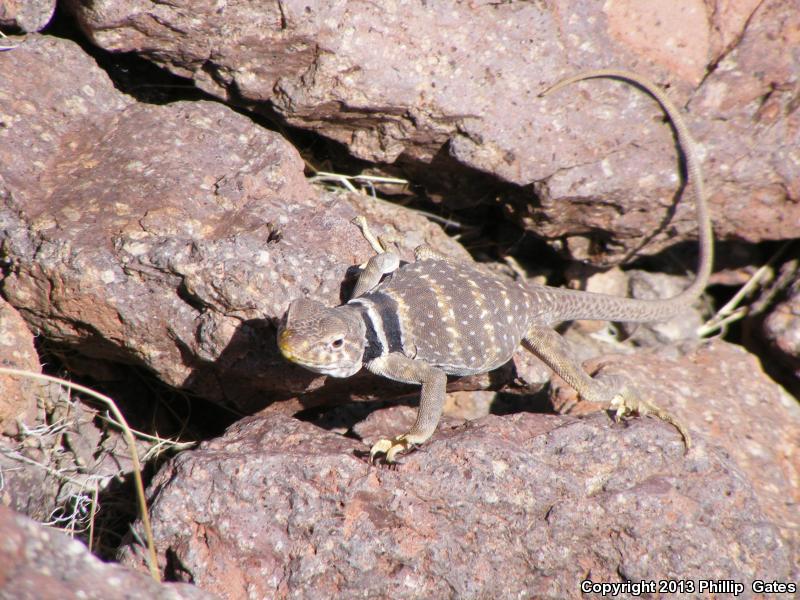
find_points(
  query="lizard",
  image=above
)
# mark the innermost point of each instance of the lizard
(422, 321)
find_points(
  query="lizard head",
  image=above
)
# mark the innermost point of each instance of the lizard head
(325, 340)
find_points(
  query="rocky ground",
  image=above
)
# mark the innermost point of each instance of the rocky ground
(165, 192)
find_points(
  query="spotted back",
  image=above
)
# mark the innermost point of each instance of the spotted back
(455, 316)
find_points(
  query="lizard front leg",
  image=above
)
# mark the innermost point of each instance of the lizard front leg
(614, 391)
(383, 263)
(399, 367)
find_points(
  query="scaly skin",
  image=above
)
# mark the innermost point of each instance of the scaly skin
(437, 317)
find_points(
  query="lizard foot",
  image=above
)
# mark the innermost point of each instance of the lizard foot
(626, 401)
(626, 404)
(390, 448)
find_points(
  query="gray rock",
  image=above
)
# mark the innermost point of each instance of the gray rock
(648, 286)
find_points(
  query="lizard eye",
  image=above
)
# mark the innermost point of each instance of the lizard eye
(337, 343)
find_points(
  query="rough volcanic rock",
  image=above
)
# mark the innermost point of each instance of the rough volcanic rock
(25, 483)
(519, 506)
(781, 328)
(456, 83)
(27, 15)
(55, 451)
(37, 563)
(721, 393)
(17, 395)
(166, 236)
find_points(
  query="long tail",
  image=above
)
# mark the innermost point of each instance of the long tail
(647, 310)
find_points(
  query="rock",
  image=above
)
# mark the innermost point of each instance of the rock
(453, 87)
(721, 393)
(27, 15)
(171, 237)
(37, 563)
(781, 327)
(55, 451)
(25, 484)
(520, 506)
(722, 115)
(62, 457)
(17, 395)
(749, 94)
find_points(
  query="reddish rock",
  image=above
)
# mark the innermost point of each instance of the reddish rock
(17, 395)
(25, 483)
(721, 393)
(38, 563)
(781, 327)
(166, 236)
(27, 15)
(456, 84)
(519, 506)
(748, 125)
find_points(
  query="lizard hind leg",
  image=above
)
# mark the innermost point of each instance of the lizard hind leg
(614, 391)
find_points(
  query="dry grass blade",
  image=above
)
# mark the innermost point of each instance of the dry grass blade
(732, 311)
(346, 181)
(129, 438)
(3, 48)
(327, 176)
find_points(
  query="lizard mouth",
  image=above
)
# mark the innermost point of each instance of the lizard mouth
(285, 345)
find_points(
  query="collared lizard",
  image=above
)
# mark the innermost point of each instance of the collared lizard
(422, 321)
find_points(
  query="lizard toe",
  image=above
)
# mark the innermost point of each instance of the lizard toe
(626, 404)
(389, 448)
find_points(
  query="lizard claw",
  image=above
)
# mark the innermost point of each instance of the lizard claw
(624, 405)
(391, 448)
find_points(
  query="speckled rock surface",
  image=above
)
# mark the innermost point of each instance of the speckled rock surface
(171, 237)
(38, 563)
(526, 505)
(17, 395)
(24, 485)
(721, 393)
(456, 83)
(166, 236)
(27, 15)
(781, 328)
